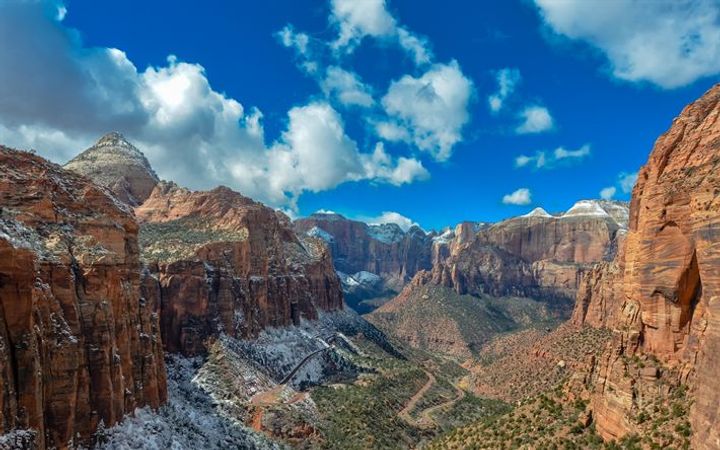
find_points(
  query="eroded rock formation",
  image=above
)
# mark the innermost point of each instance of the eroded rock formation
(228, 264)
(536, 255)
(117, 164)
(669, 306)
(79, 339)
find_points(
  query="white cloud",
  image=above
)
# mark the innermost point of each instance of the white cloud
(535, 119)
(507, 80)
(392, 217)
(670, 43)
(521, 196)
(627, 181)
(429, 111)
(560, 156)
(608, 193)
(191, 133)
(562, 153)
(356, 19)
(346, 87)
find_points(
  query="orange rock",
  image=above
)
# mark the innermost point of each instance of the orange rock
(237, 267)
(670, 301)
(79, 343)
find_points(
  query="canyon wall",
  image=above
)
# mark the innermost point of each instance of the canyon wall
(666, 303)
(226, 263)
(79, 339)
(535, 255)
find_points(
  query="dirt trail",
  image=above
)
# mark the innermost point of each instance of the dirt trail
(425, 419)
(426, 414)
(405, 413)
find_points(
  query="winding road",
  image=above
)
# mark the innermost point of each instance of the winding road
(425, 419)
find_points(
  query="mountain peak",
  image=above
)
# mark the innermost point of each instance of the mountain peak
(117, 164)
(537, 212)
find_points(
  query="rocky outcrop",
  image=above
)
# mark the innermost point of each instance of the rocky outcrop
(670, 302)
(79, 334)
(385, 250)
(226, 263)
(601, 293)
(117, 164)
(536, 255)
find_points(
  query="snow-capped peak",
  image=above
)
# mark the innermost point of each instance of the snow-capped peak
(586, 208)
(537, 212)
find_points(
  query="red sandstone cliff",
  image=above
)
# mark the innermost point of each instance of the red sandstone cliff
(228, 264)
(79, 339)
(537, 255)
(666, 303)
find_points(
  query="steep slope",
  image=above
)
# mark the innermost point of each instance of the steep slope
(437, 319)
(228, 264)
(535, 256)
(385, 250)
(669, 308)
(79, 334)
(117, 164)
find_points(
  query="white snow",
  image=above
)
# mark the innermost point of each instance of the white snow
(447, 235)
(586, 208)
(537, 212)
(320, 233)
(388, 233)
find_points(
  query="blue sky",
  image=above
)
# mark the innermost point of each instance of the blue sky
(311, 101)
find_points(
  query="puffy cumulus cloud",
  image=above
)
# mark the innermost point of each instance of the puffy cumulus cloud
(315, 154)
(429, 111)
(521, 196)
(346, 87)
(507, 80)
(379, 165)
(535, 119)
(608, 192)
(561, 155)
(670, 43)
(191, 133)
(392, 217)
(357, 19)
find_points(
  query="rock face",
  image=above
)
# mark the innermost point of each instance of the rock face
(669, 306)
(385, 250)
(79, 334)
(228, 264)
(115, 163)
(535, 255)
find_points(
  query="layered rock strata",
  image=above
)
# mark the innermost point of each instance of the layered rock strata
(79, 334)
(226, 263)
(666, 304)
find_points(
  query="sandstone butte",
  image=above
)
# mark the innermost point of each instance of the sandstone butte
(79, 329)
(247, 269)
(661, 294)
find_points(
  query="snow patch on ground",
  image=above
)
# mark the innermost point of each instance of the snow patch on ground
(190, 420)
